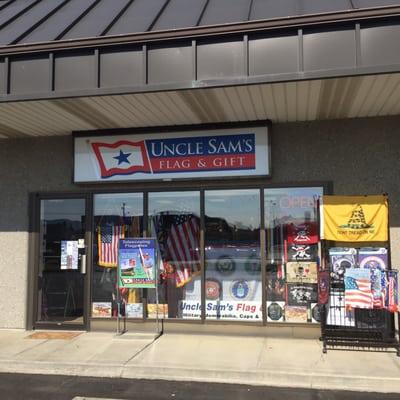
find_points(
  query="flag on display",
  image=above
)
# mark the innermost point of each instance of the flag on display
(358, 292)
(108, 238)
(302, 233)
(354, 218)
(392, 296)
(182, 247)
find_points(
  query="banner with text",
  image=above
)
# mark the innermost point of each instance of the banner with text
(230, 310)
(136, 263)
(174, 155)
(354, 218)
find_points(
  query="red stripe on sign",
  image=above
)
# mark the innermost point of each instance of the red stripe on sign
(196, 163)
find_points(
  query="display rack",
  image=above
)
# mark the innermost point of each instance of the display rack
(359, 329)
(360, 312)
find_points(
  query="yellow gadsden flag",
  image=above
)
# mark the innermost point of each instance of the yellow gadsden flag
(354, 218)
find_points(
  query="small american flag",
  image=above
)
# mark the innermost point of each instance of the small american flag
(182, 247)
(108, 237)
(392, 300)
(358, 292)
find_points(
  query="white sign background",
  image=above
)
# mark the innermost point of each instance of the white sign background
(86, 167)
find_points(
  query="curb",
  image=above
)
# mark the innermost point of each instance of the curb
(254, 378)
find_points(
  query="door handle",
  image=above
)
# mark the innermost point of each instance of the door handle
(83, 264)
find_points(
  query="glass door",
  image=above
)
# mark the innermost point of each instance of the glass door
(62, 263)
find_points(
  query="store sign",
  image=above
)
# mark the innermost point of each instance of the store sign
(233, 152)
(230, 310)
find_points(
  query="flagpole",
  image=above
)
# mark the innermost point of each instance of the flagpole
(271, 223)
(118, 289)
(388, 234)
(321, 247)
(397, 328)
(156, 282)
(119, 295)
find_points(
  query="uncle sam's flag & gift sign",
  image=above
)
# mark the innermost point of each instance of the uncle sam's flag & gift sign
(172, 155)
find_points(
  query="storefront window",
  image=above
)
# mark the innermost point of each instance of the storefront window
(62, 236)
(174, 219)
(232, 251)
(116, 215)
(292, 254)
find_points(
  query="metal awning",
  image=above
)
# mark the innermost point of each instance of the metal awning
(350, 97)
(69, 65)
(34, 21)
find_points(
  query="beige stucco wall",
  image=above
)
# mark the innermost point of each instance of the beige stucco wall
(360, 156)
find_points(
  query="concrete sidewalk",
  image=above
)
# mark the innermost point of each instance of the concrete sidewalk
(209, 358)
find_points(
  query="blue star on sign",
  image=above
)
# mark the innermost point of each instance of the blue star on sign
(122, 157)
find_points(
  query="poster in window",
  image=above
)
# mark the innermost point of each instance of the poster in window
(69, 254)
(301, 294)
(213, 289)
(315, 313)
(134, 310)
(302, 252)
(157, 309)
(137, 263)
(275, 285)
(303, 233)
(296, 314)
(301, 272)
(101, 310)
(275, 311)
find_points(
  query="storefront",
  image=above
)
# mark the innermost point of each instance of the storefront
(218, 143)
(227, 248)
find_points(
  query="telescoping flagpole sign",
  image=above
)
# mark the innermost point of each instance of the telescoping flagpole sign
(137, 266)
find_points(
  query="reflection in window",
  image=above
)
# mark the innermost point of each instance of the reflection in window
(61, 287)
(116, 215)
(174, 219)
(232, 250)
(292, 254)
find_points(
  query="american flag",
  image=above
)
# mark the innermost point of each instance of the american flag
(182, 247)
(392, 300)
(358, 292)
(108, 237)
(378, 290)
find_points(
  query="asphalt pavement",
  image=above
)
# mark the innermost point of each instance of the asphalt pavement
(56, 387)
(187, 358)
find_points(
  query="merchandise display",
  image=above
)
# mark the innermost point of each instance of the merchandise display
(362, 279)
(315, 313)
(302, 252)
(116, 216)
(358, 291)
(301, 272)
(296, 314)
(340, 260)
(275, 311)
(292, 271)
(338, 315)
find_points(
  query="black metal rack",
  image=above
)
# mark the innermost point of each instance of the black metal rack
(357, 329)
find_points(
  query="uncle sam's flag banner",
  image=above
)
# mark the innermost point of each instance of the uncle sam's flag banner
(227, 152)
